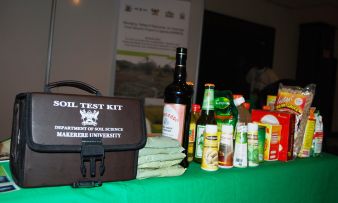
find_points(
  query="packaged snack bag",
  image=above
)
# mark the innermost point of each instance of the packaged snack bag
(296, 100)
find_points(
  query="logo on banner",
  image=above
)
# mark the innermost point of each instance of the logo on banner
(89, 117)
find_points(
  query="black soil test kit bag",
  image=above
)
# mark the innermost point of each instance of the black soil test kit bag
(79, 140)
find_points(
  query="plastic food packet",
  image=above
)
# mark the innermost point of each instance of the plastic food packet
(296, 100)
(225, 109)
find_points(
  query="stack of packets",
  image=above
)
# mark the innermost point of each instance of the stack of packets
(160, 157)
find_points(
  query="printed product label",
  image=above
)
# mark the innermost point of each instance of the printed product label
(192, 130)
(210, 152)
(222, 103)
(288, 101)
(225, 153)
(318, 142)
(199, 140)
(91, 124)
(261, 142)
(240, 156)
(208, 103)
(173, 121)
(241, 135)
(307, 142)
(241, 148)
(318, 145)
(273, 147)
(272, 138)
(253, 149)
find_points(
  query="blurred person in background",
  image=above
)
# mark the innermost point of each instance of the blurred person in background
(259, 76)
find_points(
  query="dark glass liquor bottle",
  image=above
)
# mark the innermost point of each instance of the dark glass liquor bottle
(177, 105)
(207, 117)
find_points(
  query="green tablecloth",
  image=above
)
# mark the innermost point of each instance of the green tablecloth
(302, 180)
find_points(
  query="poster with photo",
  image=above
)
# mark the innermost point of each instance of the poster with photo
(149, 32)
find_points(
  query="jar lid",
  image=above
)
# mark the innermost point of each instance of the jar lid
(211, 129)
(252, 127)
(196, 108)
(238, 99)
(226, 128)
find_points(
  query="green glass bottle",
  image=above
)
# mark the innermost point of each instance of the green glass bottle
(207, 117)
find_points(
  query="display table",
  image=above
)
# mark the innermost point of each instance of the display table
(302, 180)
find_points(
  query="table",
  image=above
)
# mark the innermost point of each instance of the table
(301, 180)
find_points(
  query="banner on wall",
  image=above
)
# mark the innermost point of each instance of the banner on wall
(149, 31)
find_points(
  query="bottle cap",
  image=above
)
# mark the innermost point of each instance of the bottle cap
(212, 129)
(312, 112)
(209, 85)
(235, 96)
(238, 99)
(241, 127)
(267, 108)
(252, 127)
(246, 105)
(196, 108)
(189, 83)
(181, 50)
(227, 129)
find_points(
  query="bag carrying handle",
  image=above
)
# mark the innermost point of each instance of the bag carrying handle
(72, 83)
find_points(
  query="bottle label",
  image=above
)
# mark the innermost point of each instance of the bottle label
(226, 150)
(241, 135)
(241, 156)
(318, 145)
(253, 156)
(173, 121)
(318, 142)
(307, 140)
(210, 152)
(191, 141)
(199, 141)
(192, 130)
(208, 101)
(241, 148)
(222, 103)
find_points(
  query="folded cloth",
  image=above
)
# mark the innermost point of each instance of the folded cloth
(161, 142)
(149, 151)
(160, 157)
(176, 170)
(159, 164)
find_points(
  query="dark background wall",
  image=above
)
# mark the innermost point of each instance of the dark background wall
(230, 47)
